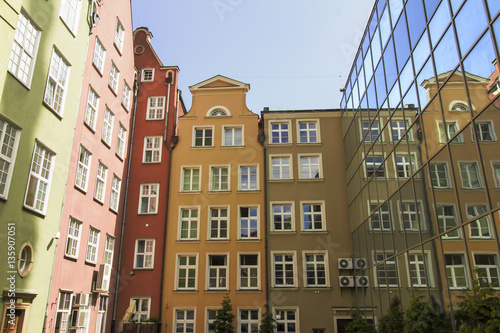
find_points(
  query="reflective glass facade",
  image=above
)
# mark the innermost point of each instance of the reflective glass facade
(421, 124)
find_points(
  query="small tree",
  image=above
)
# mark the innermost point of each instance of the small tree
(223, 322)
(267, 324)
(358, 323)
(393, 320)
(422, 317)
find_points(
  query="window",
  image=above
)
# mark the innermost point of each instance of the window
(126, 92)
(280, 132)
(24, 49)
(308, 131)
(282, 216)
(37, 190)
(109, 249)
(381, 217)
(479, 228)
(81, 313)
(248, 320)
(371, 132)
(99, 55)
(233, 136)
(249, 179)
(115, 193)
(101, 314)
(459, 106)
(9, 141)
(399, 129)
(455, 271)
(315, 270)
(69, 12)
(448, 130)
(310, 167)
(412, 216)
(152, 149)
(248, 271)
(217, 113)
(439, 175)
(281, 167)
(219, 179)
(485, 131)
(73, 240)
(419, 269)
(120, 145)
(284, 273)
(487, 268)
(114, 76)
(92, 245)
(386, 270)
(148, 202)
(286, 320)
(219, 223)
(188, 222)
(142, 308)
(119, 35)
(447, 219)
(203, 137)
(63, 311)
(156, 107)
(148, 75)
(405, 166)
(217, 272)
(82, 171)
(184, 321)
(92, 107)
(494, 165)
(210, 317)
(144, 253)
(55, 90)
(25, 259)
(100, 183)
(249, 223)
(469, 172)
(375, 166)
(107, 126)
(191, 179)
(186, 272)
(313, 216)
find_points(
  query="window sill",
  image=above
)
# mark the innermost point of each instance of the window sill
(187, 291)
(243, 240)
(216, 291)
(291, 180)
(317, 288)
(25, 85)
(147, 214)
(222, 240)
(97, 69)
(232, 147)
(248, 191)
(314, 232)
(275, 288)
(117, 48)
(188, 240)
(248, 290)
(309, 144)
(190, 192)
(203, 147)
(119, 157)
(89, 127)
(112, 90)
(107, 144)
(67, 27)
(301, 180)
(143, 268)
(217, 192)
(285, 232)
(126, 108)
(57, 114)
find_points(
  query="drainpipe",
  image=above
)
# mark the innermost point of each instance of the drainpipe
(134, 110)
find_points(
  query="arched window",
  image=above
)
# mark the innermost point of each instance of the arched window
(459, 106)
(218, 113)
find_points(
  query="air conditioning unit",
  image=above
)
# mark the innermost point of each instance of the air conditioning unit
(103, 278)
(82, 299)
(360, 263)
(346, 281)
(362, 281)
(345, 263)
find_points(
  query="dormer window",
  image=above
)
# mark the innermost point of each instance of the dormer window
(218, 113)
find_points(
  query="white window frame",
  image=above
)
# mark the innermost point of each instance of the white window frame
(286, 321)
(221, 272)
(119, 35)
(10, 135)
(114, 77)
(480, 133)
(466, 181)
(190, 223)
(248, 281)
(126, 93)
(83, 169)
(57, 82)
(156, 108)
(443, 221)
(217, 220)
(99, 56)
(451, 274)
(148, 255)
(309, 137)
(442, 182)
(204, 136)
(487, 268)
(109, 250)
(217, 184)
(121, 142)
(281, 167)
(495, 169)
(114, 201)
(64, 306)
(282, 213)
(281, 138)
(107, 126)
(311, 172)
(312, 214)
(282, 264)
(145, 75)
(152, 149)
(189, 267)
(377, 170)
(230, 136)
(371, 130)
(424, 266)
(72, 247)
(148, 198)
(140, 315)
(92, 109)
(249, 323)
(248, 220)
(396, 127)
(384, 210)
(449, 131)
(383, 268)
(69, 12)
(208, 320)
(405, 165)
(246, 173)
(418, 215)
(192, 186)
(462, 106)
(185, 321)
(24, 49)
(102, 307)
(478, 222)
(316, 264)
(40, 177)
(218, 111)
(92, 245)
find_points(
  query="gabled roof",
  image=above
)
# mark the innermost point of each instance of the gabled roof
(457, 74)
(220, 82)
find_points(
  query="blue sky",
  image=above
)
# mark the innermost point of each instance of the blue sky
(294, 54)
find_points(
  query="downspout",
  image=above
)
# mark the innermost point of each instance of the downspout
(134, 111)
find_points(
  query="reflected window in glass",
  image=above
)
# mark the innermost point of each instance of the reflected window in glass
(439, 175)
(469, 172)
(479, 228)
(456, 271)
(447, 220)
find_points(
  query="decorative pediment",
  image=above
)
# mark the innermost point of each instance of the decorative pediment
(220, 82)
